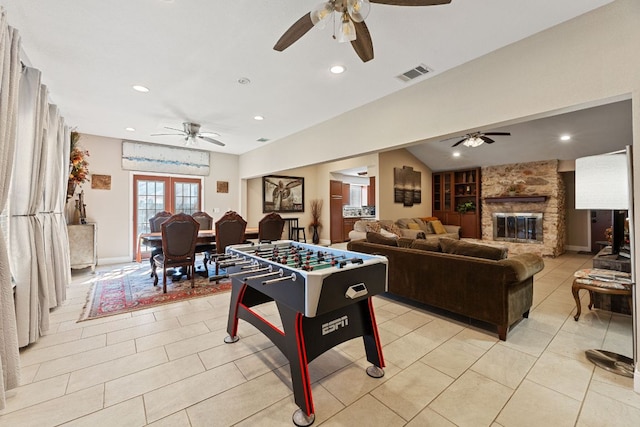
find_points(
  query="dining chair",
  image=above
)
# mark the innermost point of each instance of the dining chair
(179, 236)
(270, 228)
(206, 223)
(154, 227)
(229, 231)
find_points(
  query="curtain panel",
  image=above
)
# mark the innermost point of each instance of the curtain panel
(26, 231)
(9, 84)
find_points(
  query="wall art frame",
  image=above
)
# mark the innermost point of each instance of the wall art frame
(282, 194)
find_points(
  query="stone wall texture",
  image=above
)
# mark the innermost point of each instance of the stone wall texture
(530, 179)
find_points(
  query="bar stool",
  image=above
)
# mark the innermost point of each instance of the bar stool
(295, 229)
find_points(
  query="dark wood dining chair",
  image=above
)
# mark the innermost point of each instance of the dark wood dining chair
(206, 223)
(230, 230)
(270, 228)
(154, 227)
(179, 236)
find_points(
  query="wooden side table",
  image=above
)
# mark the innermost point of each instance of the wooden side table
(597, 280)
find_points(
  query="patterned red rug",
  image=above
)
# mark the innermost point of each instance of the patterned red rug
(131, 288)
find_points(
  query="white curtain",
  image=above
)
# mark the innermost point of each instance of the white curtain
(56, 248)
(9, 82)
(27, 241)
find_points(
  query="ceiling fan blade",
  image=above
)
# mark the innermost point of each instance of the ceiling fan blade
(363, 44)
(486, 139)
(411, 2)
(211, 140)
(459, 142)
(294, 32)
(179, 130)
(496, 133)
(164, 134)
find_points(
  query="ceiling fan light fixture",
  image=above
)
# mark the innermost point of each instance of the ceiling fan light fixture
(473, 142)
(321, 13)
(347, 32)
(358, 9)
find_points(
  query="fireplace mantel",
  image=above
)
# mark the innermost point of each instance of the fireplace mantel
(516, 199)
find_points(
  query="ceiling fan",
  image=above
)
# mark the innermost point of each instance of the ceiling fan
(351, 27)
(191, 133)
(476, 138)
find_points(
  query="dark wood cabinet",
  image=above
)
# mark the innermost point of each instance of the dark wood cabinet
(347, 226)
(335, 211)
(346, 193)
(456, 200)
(371, 191)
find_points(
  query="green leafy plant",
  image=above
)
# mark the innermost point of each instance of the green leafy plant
(466, 207)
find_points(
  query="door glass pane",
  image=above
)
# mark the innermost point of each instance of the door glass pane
(187, 197)
(149, 203)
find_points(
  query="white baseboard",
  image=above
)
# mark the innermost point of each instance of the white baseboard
(114, 260)
(578, 248)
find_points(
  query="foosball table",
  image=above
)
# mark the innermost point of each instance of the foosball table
(323, 296)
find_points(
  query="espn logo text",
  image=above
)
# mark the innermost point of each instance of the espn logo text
(334, 325)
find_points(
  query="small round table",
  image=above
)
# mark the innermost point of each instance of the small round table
(599, 280)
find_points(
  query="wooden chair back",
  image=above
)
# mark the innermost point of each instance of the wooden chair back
(270, 228)
(229, 231)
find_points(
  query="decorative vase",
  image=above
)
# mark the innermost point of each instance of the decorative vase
(77, 214)
(316, 238)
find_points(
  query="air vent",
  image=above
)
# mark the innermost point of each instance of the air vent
(262, 139)
(413, 73)
(362, 173)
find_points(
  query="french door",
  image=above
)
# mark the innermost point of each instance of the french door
(153, 194)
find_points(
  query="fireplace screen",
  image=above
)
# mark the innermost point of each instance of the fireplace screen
(518, 227)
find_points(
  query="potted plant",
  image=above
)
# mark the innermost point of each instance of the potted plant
(466, 207)
(314, 227)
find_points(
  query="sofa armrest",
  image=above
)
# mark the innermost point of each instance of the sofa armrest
(454, 229)
(523, 265)
(412, 234)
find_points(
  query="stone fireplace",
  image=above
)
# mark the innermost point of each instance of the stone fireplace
(540, 193)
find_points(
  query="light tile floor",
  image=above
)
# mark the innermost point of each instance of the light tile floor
(168, 366)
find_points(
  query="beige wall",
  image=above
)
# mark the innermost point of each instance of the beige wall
(577, 221)
(112, 210)
(387, 208)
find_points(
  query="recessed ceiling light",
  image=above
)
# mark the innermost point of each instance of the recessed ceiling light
(130, 129)
(565, 137)
(244, 81)
(337, 69)
(456, 154)
(258, 117)
(140, 88)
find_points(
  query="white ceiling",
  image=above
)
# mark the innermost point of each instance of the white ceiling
(191, 54)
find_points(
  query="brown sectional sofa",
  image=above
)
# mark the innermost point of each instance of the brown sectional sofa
(498, 291)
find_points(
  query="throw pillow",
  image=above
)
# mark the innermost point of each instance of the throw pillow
(373, 237)
(361, 225)
(404, 222)
(438, 228)
(430, 245)
(424, 226)
(429, 218)
(413, 226)
(460, 247)
(373, 226)
(392, 227)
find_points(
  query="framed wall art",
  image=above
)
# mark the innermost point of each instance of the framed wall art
(282, 194)
(407, 186)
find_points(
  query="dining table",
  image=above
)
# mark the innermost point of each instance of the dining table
(205, 237)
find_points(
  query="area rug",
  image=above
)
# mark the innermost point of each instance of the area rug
(131, 288)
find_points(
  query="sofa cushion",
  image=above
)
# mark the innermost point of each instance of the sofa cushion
(404, 222)
(431, 245)
(424, 226)
(522, 266)
(460, 247)
(361, 225)
(413, 226)
(405, 242)
(438, 228)
(373, 237)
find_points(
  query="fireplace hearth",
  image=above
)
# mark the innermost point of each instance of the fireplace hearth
(517, 227)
